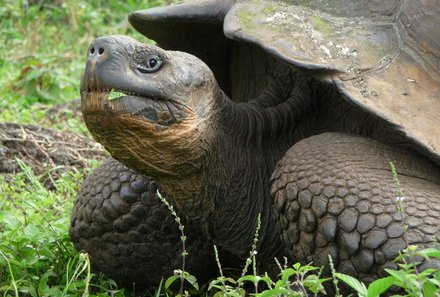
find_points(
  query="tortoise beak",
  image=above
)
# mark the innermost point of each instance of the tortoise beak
(104, 65)
(94, 57)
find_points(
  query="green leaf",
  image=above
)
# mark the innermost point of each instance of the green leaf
(115, 95)
(307, 268)
(398, 275)
(274, 292)
(314, 283)
(430, 289)
(171, 280)
(32, 232)
(297, 265)
(379, 286)
(267, 280)
(434, 281)
(354, 283)
(214, 283)
(288, 273)
(249, 278)
(42, 284)
(430, 252)
(192, 280)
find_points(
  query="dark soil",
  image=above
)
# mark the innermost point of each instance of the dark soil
(62, 112)
(43, 148)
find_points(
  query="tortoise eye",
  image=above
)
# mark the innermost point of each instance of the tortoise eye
(151, 64)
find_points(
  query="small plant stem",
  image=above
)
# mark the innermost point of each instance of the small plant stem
(252, 253)
(11, 273)
(319, 276)
(400, 207)
(300, 281)
(79, 269)
(219, 265)
(86, 290)
(182, 237)
(278, 264)
(335, 280)
(254, 266)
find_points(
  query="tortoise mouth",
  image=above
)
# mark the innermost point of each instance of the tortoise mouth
(113, 102)
(115, 94)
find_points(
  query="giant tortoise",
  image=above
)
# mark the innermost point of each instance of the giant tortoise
(289, 109)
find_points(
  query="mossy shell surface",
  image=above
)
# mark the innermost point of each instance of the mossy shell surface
(384, 56)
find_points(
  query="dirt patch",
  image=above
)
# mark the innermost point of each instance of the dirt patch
(43, 148)
(63, 112)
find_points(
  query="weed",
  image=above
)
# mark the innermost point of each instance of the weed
(425, 283)
(179, 273)
(297, 280)
(251, 259)
(226, 285)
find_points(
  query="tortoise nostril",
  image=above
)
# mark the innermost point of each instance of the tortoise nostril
(101, 51)
(92, 50)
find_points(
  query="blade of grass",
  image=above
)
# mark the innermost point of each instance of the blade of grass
(11, 273)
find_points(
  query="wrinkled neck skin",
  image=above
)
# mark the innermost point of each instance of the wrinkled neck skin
(233, 186)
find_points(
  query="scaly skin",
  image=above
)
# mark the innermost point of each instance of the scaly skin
(130, 234)
(335, 195)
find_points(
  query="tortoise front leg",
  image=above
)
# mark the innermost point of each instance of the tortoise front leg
(129, 234)
(334, 195)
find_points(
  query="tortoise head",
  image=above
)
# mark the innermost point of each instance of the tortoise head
(149, 107)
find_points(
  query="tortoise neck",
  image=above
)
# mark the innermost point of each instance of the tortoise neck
(250, 138)
(233, 185)
(272, 119)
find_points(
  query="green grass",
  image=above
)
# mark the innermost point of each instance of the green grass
(36, 255)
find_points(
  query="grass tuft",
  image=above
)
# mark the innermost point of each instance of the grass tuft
(39, 257)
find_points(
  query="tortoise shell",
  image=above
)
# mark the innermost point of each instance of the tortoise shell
(383, 56)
